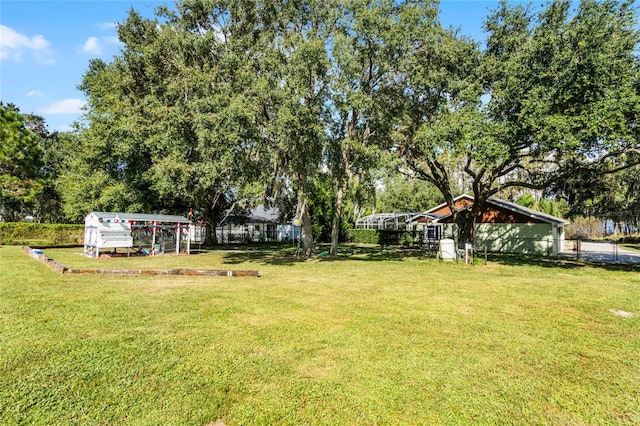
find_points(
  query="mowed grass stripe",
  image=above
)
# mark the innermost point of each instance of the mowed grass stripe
(364, 339)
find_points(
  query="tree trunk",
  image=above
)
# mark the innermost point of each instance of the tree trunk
(342, 189)
(210, 227)
(212, 235)
(466, 221)
(209, 218)
(337, 214)
(307, 233)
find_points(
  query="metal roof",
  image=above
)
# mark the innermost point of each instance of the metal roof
(243, 220)
(374, 221)
(259, 214)
(137, 217)
(528, 212)
(389, 221)
(426, 215)
(534, 214)
(439, 206)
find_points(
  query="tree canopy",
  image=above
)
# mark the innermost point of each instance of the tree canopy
(213, 105)
(553, 94)
(21, 160)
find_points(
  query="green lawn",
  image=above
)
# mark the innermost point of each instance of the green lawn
(371, 338)
(632, 247)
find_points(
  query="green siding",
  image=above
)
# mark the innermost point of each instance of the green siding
(536, 238)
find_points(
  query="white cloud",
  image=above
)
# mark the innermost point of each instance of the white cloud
(34, 93)
(67, 106)
(92, 45)
(64, 128)
(13, 44)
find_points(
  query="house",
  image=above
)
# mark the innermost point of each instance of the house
(506, 227)
(503, 227)
(261, 224)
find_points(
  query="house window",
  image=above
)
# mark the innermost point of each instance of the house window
(434, 232)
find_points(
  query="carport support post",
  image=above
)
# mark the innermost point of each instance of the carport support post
(189, 239)
(178, 238)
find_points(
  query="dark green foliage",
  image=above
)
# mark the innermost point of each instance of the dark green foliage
(378, 236)
(21, 160)
(369, 41)
(553, 94)
(321, 208)
(22, 233)
(363, 236)
(36, 162)
(214, 105)
(170, 120)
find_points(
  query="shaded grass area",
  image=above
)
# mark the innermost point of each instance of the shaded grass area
(565, 263)
(372, 338)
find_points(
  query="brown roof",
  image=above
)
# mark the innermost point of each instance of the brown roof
(498, 211)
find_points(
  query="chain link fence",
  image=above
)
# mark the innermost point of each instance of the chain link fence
(602, 251)
(608, 251)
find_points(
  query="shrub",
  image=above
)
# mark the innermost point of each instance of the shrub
(379, 236)
(406, 239)
(363, 236)
(24, 233)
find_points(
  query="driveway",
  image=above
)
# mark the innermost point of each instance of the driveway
(600, 251)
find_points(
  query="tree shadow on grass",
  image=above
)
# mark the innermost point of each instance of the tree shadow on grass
(288, 256)
(279, 259)
(377, 254)
(556, 262)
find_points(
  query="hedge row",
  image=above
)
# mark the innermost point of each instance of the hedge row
(24, 233)
(379, 236)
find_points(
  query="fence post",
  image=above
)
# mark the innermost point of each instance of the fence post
(485, 254)
(468, 253)
(615, 251)
(578, 243)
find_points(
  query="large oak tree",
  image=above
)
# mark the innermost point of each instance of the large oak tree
(553, 93)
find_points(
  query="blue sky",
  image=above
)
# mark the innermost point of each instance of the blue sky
(45, 47)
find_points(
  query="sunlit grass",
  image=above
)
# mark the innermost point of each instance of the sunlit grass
(368, 338)
(632, 247)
